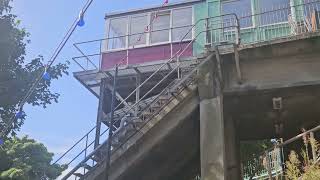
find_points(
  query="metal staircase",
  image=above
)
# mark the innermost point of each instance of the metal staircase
(175, 86)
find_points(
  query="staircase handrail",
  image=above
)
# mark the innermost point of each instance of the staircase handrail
(178, 54)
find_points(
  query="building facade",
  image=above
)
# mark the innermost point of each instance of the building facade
(186, 77)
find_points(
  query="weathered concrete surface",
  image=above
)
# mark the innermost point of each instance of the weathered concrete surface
(162, 151)
(279, 65)
(212, 141)
(289, 70)
(286, 69)
(232, 149)
(255, 117)
(212, 138)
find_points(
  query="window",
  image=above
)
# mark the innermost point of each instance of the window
(310, 7)
(137, 28)
(273, 11)
(160, 27)
(117, 33)
(242, 8)
(181, 24)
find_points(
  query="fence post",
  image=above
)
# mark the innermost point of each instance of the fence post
(313, 149)
(268, 165)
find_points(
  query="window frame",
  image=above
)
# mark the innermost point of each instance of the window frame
(129, 30)
(177, 27)
(108, 31)
(148, 34)
(169, 11)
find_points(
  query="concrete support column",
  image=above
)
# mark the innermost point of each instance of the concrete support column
(212, 141)
(232, 145)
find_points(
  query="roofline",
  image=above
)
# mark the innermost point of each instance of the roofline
(152, 8)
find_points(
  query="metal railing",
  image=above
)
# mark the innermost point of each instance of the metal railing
(281, 22)
(227, 31)
(266, 25)
(164, 82)
(269, 163)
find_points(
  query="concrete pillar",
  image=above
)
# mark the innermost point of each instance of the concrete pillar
(232, 145)
(212, 141)
(219, 148)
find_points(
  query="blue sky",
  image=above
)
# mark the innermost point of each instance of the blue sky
(60, 125)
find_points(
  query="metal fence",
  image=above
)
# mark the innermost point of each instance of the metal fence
(264, 25)
(280, 22)
(212, 30)
(270, 163)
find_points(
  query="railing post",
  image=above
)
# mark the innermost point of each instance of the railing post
(100, 56)
(313, 148)
(138, 82)
(207, 30)
(268, 164)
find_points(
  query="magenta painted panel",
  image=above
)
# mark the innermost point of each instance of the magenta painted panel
(111, 58)
(153, 53)
(186, 53)
(143, 55)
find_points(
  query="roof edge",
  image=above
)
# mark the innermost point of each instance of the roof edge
(151, 8)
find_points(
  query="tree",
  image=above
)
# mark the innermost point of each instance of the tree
(17, 75)
(26, 159)
(308, 169)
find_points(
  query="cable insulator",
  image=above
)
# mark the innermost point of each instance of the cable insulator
(81, 19)
(19, 114)
(46, 75)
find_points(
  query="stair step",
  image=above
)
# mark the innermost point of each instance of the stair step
(163, 97)
(78, 175)
(95, 158)
(86, 166)
(137, 120)
(116, 143)
(155, 108)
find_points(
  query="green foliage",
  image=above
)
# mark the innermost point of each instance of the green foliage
(307, 169)
(24, 158)
(16, 74)
(251, 149)
(251, 158)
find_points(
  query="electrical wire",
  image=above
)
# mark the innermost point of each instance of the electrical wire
(53, 58)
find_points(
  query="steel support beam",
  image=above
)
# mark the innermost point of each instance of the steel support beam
(100, 112)
(138, 82)
(111, 124)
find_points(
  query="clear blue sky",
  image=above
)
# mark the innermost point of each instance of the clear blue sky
(60, 125)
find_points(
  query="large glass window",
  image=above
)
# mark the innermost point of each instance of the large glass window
(160, 27)
(242, 8)
(273, 11)
(117, 33)
(181, 23)
(137, 28)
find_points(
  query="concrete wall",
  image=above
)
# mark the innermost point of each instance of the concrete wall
(284, 64)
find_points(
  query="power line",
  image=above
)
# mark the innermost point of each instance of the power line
(79, 21)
